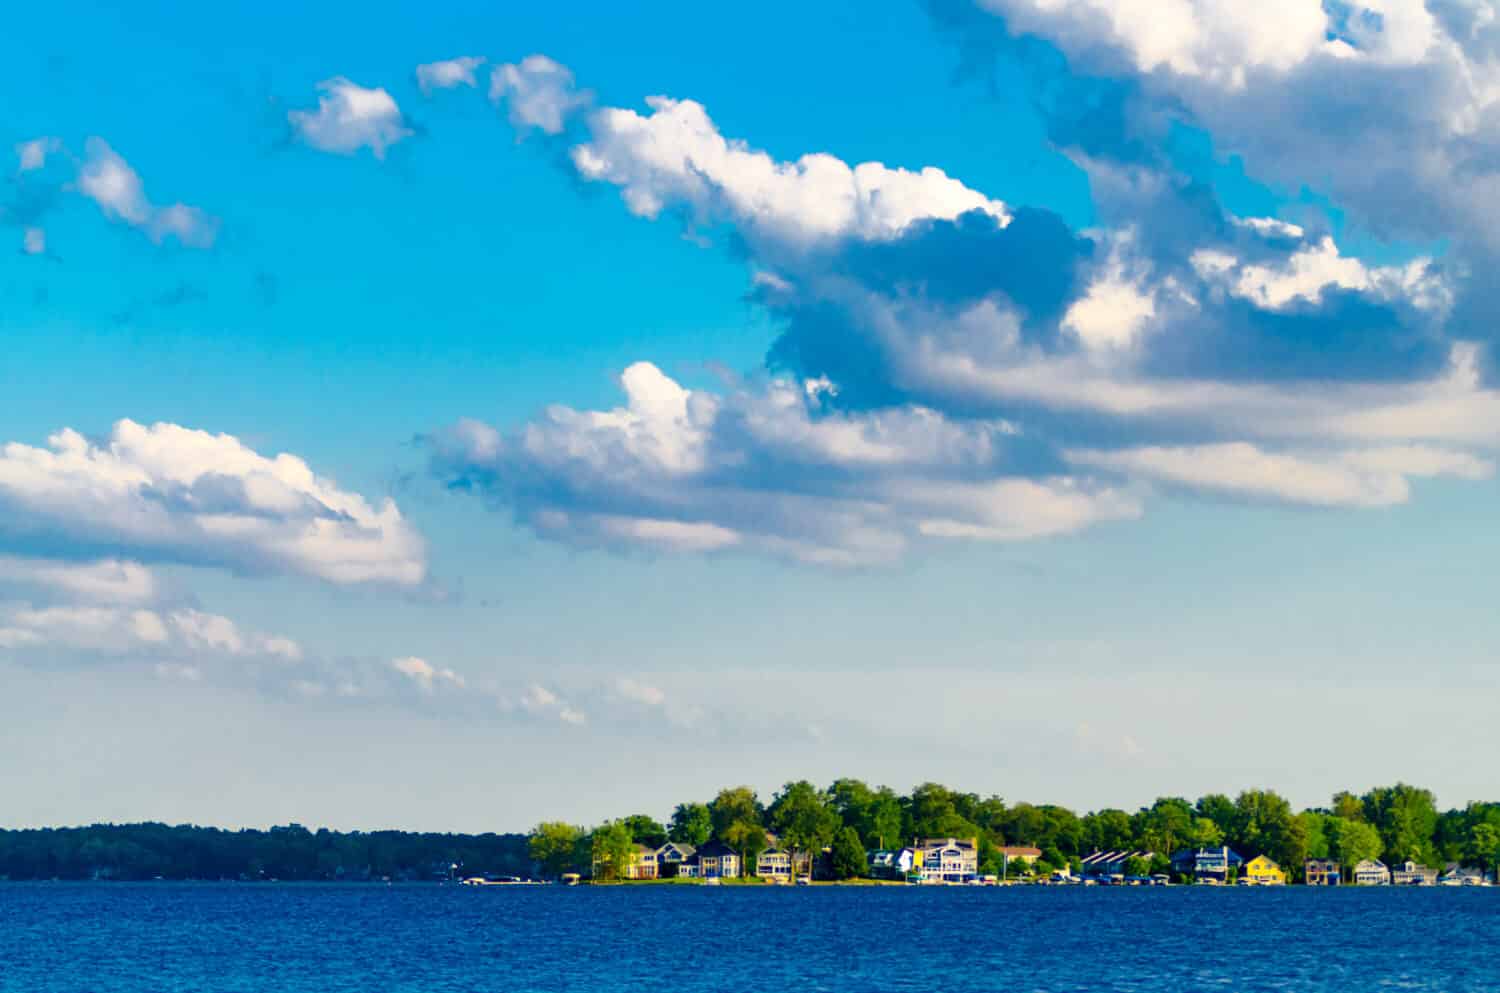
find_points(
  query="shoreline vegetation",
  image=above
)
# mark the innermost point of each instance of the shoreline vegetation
(851, 831)
(804, 834)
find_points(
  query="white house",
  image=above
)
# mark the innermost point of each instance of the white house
(948, 860)
(1372, 872)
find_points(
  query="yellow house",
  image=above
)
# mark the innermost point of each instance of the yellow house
(1261, 871)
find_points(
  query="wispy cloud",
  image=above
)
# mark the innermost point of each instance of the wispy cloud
(449, 74)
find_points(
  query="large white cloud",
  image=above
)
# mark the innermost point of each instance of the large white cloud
(350, 117)
(1390, 106)
(675, 158)
(757, 469)
(961, 369)
(168, 493)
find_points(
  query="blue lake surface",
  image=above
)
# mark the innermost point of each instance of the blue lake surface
(176, 938)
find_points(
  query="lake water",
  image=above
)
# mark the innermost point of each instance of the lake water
(186, 938)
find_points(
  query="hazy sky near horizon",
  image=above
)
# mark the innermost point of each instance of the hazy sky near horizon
(457, 418)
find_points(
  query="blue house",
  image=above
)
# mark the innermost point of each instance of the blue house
(1207, 865)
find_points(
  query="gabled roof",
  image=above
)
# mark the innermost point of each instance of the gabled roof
(716, 850)
(681, 847)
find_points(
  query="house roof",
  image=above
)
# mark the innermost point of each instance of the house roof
(1021, 850)
(949, 843)
(681, 847)
(716, 849)
(1107, 858)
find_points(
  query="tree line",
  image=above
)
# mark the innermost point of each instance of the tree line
(291, 853)
(1394, 823)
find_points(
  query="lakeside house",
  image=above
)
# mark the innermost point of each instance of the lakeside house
(1372, 872)
(669, 858)
(1457, 875)
(1411, 874)
(778, 865)
(892, 864)
(1110, 865)
(642, 863)
(1019, 853)
(1207, 865)
(1263, 871)
(947, 860)
(717, 860)
(1322, 872)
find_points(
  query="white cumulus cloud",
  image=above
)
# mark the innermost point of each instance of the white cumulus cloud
(350, 117)
(538, 93)
(676, 157)
(168, 493)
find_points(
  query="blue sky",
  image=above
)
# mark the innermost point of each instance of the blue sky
(508, 448)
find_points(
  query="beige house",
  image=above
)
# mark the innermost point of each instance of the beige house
(777, 865)
(1321, 872)
(1411, 874)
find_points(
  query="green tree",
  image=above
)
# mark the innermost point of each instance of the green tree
(1205, 834)
(1483, 847)
(611, 850)
(1137, 866)
(803, 818)
(1351, 842)
(737, 805)
(1218, 808)
(1406, 818)
(1264, 824)
(1348, 806)
(934, 813)
(848, 856)
(1167, 825)
(1314, 825)
(851, 799)
(692, 824)
(554, 846)
(991, 862)
(882, 827)
(1108, 830)
(645, 830)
